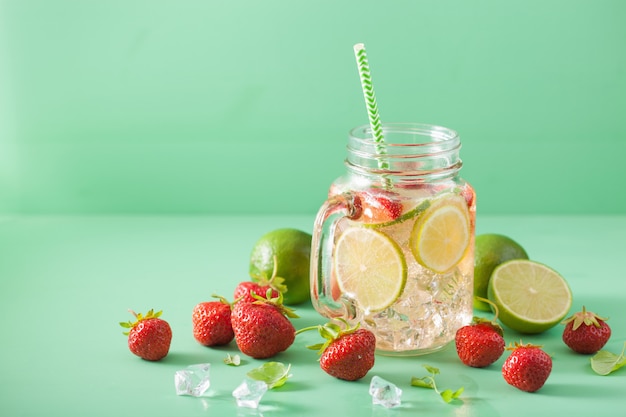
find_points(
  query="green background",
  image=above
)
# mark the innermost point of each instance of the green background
(240, 111)
(243, 107)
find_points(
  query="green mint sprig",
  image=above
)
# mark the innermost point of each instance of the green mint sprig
(428, 381)
(605, 362)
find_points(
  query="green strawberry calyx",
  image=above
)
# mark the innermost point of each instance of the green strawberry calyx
(520, 344)
(275, 282)
(584, 317)
(138, 318)
(222, 300)
(277, 302)
(330, 331)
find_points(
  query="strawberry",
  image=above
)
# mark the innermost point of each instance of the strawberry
(470, 196)
(586, 332)
(246, 290)
(479, 344)
(211, 323)
(262, 328)
(149, 336)
(527, 368)
(380, 207)
(259, 285)
(347, 353)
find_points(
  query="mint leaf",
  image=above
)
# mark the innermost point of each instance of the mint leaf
(422, 382)
(232, 360)
(449, 395)
(605, 362)
(274, 374)
(428, 381)
(431, 369)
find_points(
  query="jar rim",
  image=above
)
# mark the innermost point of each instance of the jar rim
(428, 133)
(408, 149)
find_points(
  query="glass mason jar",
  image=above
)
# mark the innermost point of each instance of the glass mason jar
(393, 245)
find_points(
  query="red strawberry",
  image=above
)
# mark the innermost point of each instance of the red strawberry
(245, 290)
(468, 193)
(262, 328)
(586, 332)
(479, 344)
(259, 285)
(149, 336)
(347, 353)
(211, 323)
(527, 368)
(379, 207)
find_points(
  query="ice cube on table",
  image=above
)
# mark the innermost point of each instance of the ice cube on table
(249, 393)
(384, 393)
(193, 380)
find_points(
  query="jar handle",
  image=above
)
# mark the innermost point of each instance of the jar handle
(325, 295)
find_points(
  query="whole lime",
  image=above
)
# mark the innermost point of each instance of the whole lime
(490, 251)
(292, 250)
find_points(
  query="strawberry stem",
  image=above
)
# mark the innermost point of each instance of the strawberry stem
(223, 300)
(330, 331)
(275, 282)
(494, 307)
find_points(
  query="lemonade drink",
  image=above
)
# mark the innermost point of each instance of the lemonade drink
(393, 247)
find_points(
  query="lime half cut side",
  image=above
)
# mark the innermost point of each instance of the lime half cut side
(442, 234)
(531, 297)
(369, 267)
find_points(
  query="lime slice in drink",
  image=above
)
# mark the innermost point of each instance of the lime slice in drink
(441, 235)
(531, 297)
(369, 267)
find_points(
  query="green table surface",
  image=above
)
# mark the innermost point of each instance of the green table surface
(66, 282)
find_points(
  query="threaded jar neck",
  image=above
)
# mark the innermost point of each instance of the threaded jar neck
(411, 152)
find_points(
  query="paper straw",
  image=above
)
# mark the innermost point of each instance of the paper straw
(372, 108)
(370, 97)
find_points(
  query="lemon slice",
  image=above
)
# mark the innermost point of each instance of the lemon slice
(369, 267)
(530, 296)
(441, 235)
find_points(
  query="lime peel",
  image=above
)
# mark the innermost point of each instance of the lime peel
(491, 250)
(414, 212)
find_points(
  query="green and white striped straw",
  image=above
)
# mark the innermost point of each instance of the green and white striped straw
(369, 95)
(370, 103)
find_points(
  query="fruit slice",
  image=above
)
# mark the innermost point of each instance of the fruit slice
(490, 250)
(441, 235)
(369, 267)
(530, 296)
(408, 214)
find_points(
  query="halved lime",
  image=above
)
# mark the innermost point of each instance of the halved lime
(490, 251)
(531, 297)
(370, 267)
(441, 235)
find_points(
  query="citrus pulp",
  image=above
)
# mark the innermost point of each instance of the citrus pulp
(369, 267)
(490, 251)
(530, 296)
